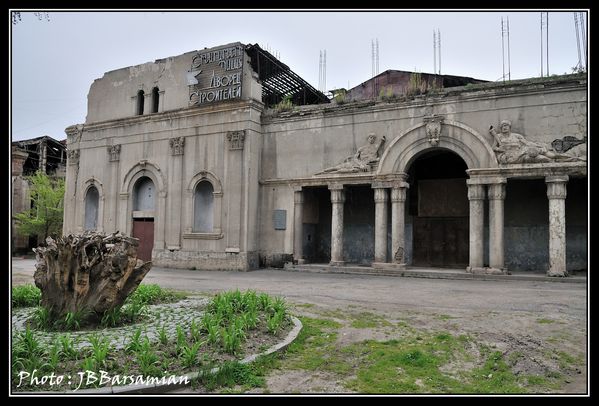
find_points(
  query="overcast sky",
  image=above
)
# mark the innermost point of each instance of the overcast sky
(53, 63)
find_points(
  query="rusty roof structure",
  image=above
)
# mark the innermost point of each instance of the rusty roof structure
(280, 82)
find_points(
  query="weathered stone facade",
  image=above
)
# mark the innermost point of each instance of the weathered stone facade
(341, 178)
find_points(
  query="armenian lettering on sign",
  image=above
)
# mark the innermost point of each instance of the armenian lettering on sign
(216, 75)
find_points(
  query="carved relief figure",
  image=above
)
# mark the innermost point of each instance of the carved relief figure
(363, 159)
(513, 148)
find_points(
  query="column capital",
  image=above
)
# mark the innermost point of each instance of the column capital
(335, 186)
(337, 196)
(398, 194)
(476, 192)
(556, 187)
(496, 191)
(557, 179)
(380, 195)
(298, 197)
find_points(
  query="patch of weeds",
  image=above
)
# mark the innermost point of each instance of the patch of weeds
(545, 321)
(368, 320)
(305, 305)
(25, 296)
(494, 377)
(230, 374)
(153, 294)
(567, 361)
(314, 348)
(412, 365)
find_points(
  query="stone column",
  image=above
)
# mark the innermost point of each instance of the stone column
(380, 224)
(298, 226)
(496, 194)
(398, 224)
(173, 229)
(556, 192)
(337, 200)
(476, 196)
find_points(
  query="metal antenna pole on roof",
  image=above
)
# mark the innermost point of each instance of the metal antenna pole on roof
(509, 67)
(583, 36)
(541, 44)
(502, 52)
(547, 42)
(439, 36)
(434, 51)
(579, 65)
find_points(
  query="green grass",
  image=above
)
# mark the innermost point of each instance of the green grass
(154, 294)
(545, 321)
(25, 296)
(368, 320)
(413, 366)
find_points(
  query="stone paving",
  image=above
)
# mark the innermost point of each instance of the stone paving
(169, 316)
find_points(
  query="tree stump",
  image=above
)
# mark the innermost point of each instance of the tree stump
(90, 271)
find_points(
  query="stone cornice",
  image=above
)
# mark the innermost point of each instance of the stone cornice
(176, 114)
(526, 171)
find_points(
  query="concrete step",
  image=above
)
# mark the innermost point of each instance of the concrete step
(429, 273)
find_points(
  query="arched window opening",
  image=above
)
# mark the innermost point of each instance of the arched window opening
(155, 99)
(203, 218)
(144, 193)
(92, 199)
(140, 103)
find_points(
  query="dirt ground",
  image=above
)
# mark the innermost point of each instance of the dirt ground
(533, 321)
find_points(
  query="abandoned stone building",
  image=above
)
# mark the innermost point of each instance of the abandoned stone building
(28, 156)
(202, 157)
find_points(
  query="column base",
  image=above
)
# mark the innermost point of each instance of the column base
(557, 273)
(301, 261)
(337, 263)
(388, 265)
(486, 270)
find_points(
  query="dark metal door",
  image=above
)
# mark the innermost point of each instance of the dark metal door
(441, 241)
(143, 229)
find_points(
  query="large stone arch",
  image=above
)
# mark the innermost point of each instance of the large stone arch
(455, 136)
(141, 169)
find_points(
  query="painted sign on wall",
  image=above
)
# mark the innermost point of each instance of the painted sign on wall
(216, 74)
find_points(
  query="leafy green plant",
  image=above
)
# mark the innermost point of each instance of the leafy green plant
(45, 216)
(68, 346)
(111, 318)
(189, 354)
(41, 318)
(147, 359)
(274, 322)
(162, 336)
(134, 341)
(100, 349)
(25, 296)
(284, 105)
(231, 339)
(194, 331)
(181, 338)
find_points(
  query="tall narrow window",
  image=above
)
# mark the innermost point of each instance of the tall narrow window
(91, 208)
(140, 103)
(155, 99)
(203, 214)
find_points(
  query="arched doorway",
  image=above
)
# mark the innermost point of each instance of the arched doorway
(144, 197)
(438, 210)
